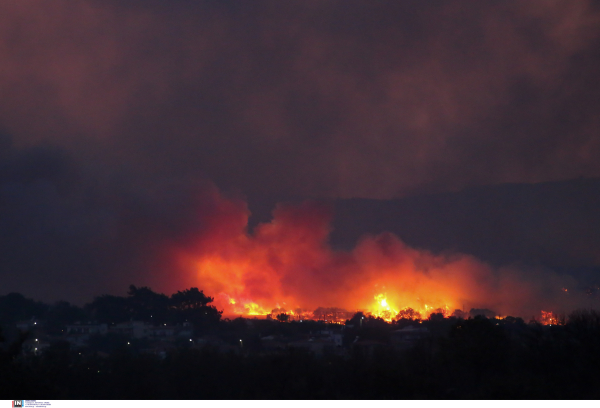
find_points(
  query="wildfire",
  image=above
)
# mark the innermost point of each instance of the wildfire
(380, 309)
(383, 309)
(242, 308)
(549, 318)
(289, 262)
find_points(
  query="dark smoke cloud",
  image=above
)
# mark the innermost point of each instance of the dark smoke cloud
(369, 99)
(65, 232)
(122, 115)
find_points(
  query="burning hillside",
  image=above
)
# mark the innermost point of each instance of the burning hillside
(287, 266)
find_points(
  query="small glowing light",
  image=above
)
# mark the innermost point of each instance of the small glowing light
(36, 349)
(34, 322)
(190, 339)
(128, 343)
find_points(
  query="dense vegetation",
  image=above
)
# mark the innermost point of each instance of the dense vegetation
(473, 358)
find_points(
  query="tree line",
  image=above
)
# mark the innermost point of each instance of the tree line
(461, 358)
(141, 303)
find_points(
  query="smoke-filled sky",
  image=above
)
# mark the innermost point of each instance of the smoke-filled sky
(132, 128)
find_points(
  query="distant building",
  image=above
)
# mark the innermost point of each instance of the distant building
(88, 329)
(28, 325)
(79, 334)
(34, 346)
(134, 329)
(160, 331)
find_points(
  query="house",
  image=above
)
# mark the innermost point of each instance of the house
(79, 334)
(134, 329)
(29, 325)
(187, 330)
(160, 332)
(90, 328)
(34, 346)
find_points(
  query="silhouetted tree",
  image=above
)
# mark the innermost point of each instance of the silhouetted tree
(278, 310)
(459, 314)
(192, 305)
(61, 314)
(357, 320)
(15, 307)
(482, 312)
(409, 314)
(146, 304)
(584, 320)
(190, 299)
(436, 317)
(109, 309)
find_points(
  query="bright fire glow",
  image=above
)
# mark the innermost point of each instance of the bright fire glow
(549, 318)
(287, 266)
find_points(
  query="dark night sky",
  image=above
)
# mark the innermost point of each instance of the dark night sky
(123, 123)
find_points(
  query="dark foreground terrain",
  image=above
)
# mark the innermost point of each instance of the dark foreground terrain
(365, 358)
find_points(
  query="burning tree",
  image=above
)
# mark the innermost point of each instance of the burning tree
(332, 314)
(550, 318)
(409, 314)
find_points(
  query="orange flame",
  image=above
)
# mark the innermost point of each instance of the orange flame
(549, 318)
(289, 262)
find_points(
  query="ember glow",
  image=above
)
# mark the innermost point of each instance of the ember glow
(287, 266)
(550, 318)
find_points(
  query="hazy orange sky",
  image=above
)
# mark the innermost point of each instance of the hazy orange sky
(128, 128)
